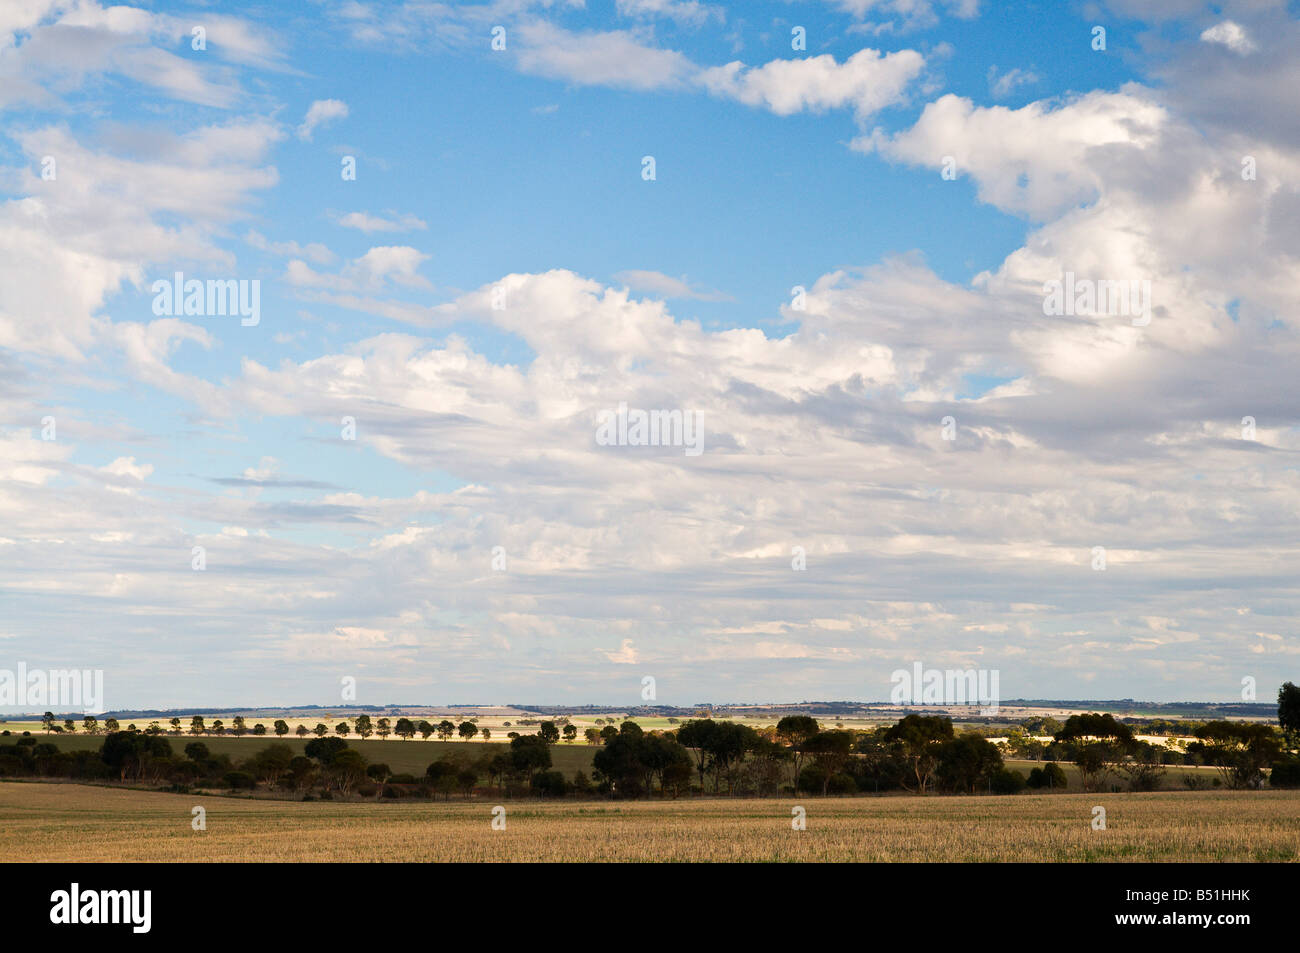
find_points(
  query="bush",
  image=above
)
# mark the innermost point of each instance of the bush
(1049, 775)
(841, 784)
(237, 780)
(1006, 781)
(367, 790)
(550, 784)
(1285, 774)
(403, 779)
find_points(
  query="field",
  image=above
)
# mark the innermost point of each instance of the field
(71, 822)
(412, 757)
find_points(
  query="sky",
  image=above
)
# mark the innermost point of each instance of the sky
(823, 231)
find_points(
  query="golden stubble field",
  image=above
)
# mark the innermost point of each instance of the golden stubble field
(69, 822)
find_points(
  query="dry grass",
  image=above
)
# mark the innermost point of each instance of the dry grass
(68, 822)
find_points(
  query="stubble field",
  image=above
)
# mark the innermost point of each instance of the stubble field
(71, 822)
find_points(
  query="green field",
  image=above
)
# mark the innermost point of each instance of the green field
(72, 822)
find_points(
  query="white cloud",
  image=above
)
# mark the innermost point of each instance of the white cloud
(614, 58)
(1004, 84)
(1231, 35)
(866, 82)
(666, 286)
(365, 222)
(321, 112)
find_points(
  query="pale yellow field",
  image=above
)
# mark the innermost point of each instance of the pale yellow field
(66, 822)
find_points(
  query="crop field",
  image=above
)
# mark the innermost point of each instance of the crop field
(71, 822)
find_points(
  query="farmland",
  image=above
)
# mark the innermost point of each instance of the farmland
(412, 757)
(72, 822)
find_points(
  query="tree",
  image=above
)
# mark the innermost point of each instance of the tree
(320, 731)
(1050, 775)
(570, 733)
(324, 750)
(1006, 781)
(467, 730)
(302, 731)
(442, 776)
(445, 730)
(1097, 743)
(1288, 713)
(176, 726)
(405, 729)
(259, 729)
(346, 770)
(967, 763)
(69, 726)
(794, 731)
(466, 778)
(302, 773)
(486, 733)
(271, 762)
(197, 751)
(548, 732)
(91, 724)
(364, 729)
(48, 721)
(919, 739)
(218, 727)
(1240, 750)
(530, 754)
(281, 728)
(1142, 767)
(110, 725)
(196, 725)
(592, 735)
(426, 729)
(383, 728)
(696, 735)
(133, 754)
(342, 729)
(831, 751)
(237, 726)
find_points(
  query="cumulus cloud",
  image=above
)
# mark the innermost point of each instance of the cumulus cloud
(866, 82)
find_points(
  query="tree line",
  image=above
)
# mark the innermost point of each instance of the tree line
(919, 754)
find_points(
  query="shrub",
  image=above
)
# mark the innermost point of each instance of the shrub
(1050, 775)
(841, 784)
(1285, 774)
(237, 780)
(367, 789)
(1007, 781)
(550, 784)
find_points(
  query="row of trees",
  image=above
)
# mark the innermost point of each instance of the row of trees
(362, 726)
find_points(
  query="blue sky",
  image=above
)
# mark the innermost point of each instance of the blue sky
(518, 173)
